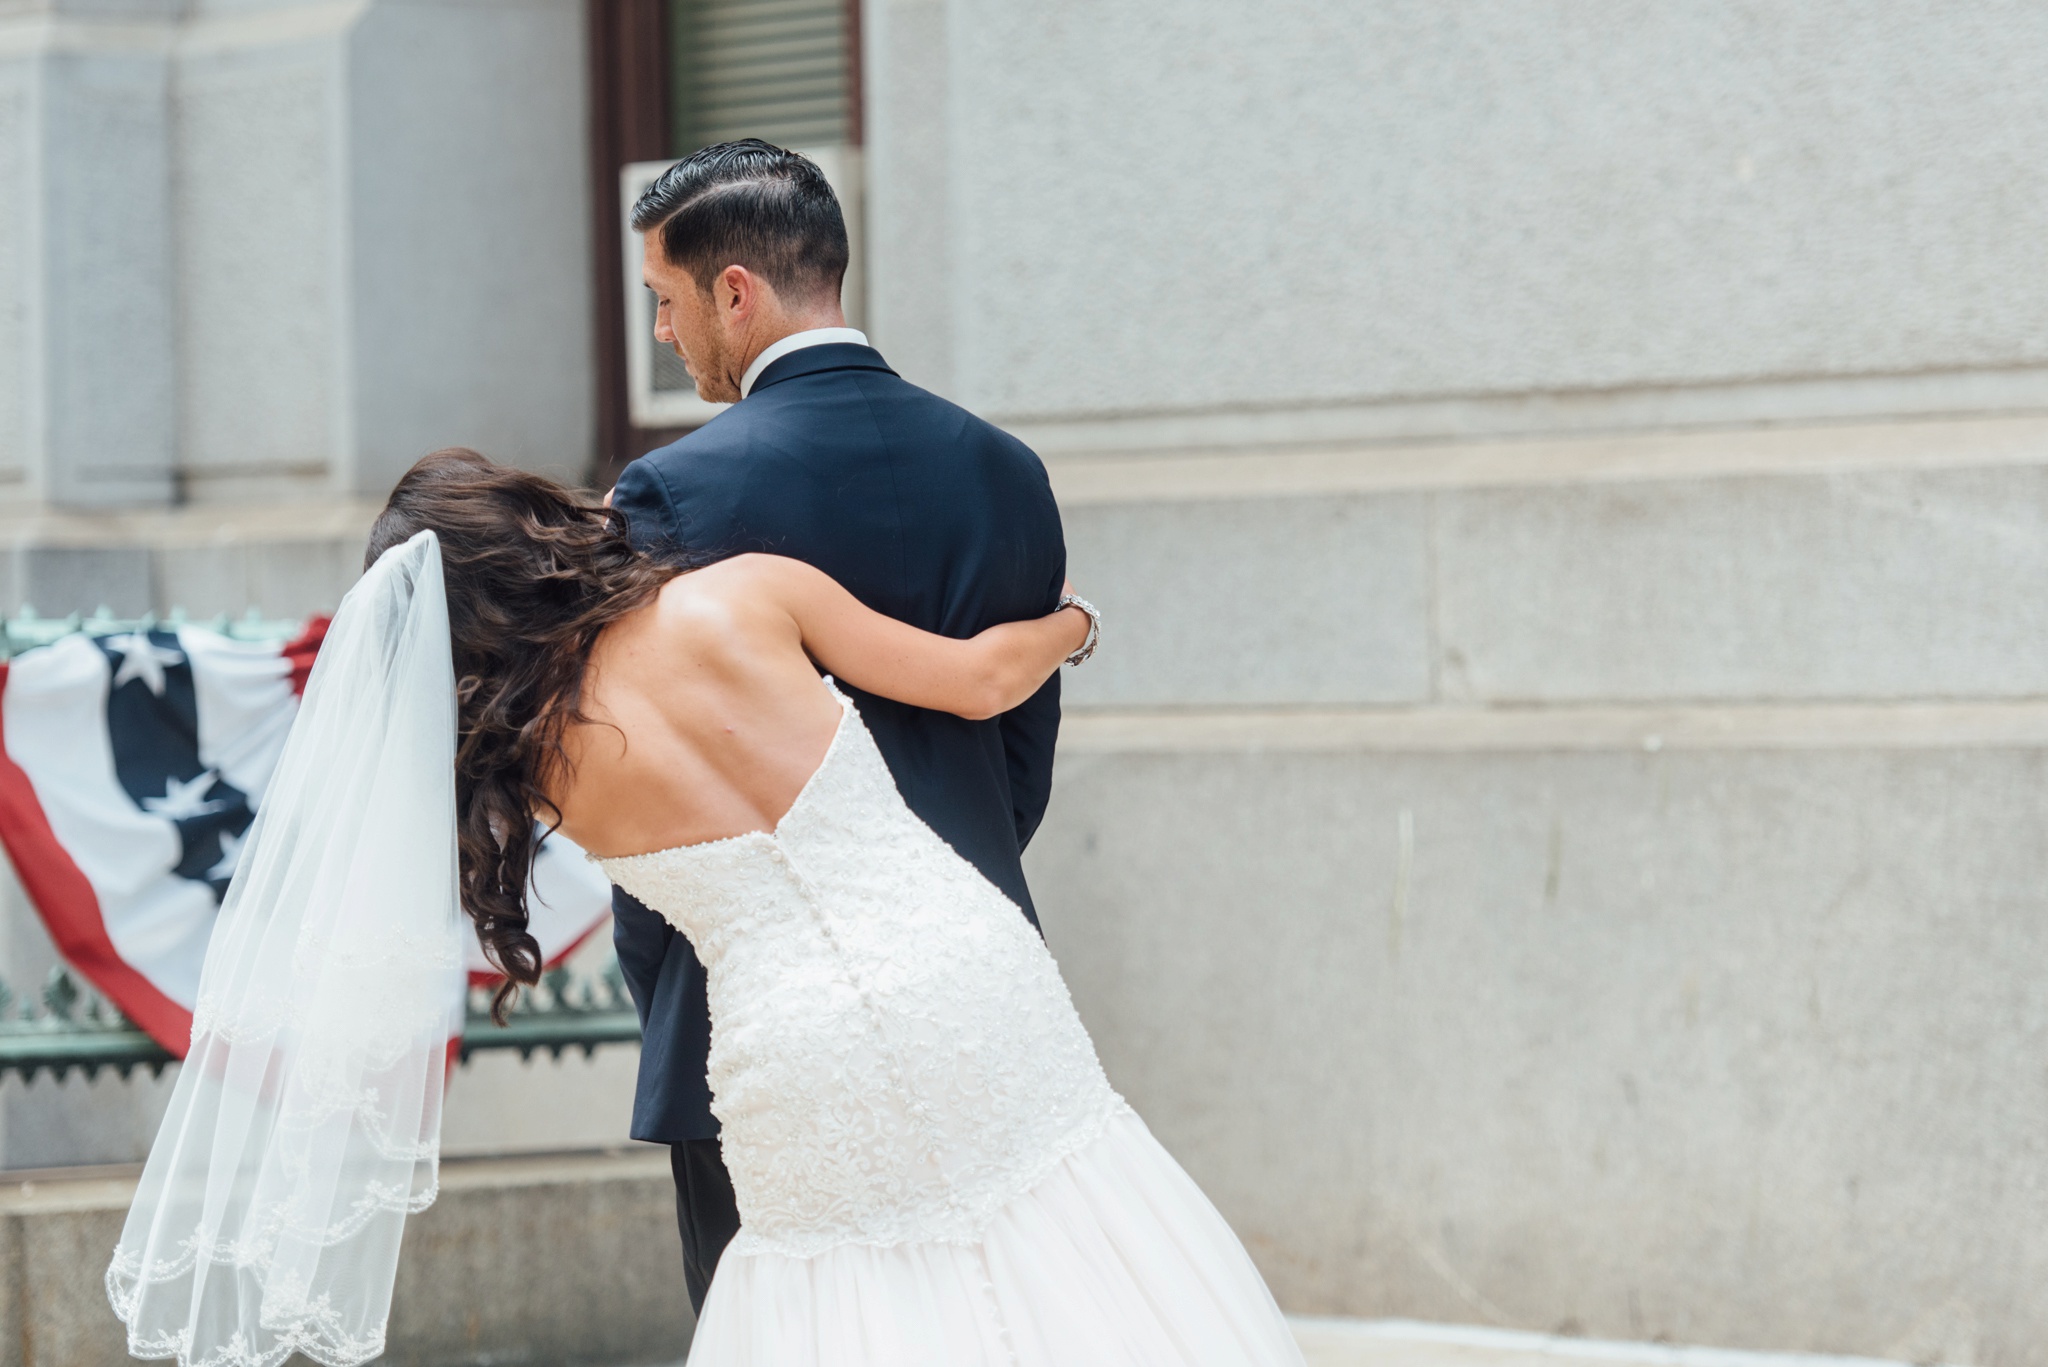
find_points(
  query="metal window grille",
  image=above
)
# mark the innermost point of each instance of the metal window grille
(774, 69)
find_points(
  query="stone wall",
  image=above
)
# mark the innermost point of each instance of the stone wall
(1172, 208)
(1548, 838)
(1599, 902)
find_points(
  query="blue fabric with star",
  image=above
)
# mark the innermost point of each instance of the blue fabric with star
(153, 724)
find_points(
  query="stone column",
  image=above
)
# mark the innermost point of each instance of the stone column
(88, 251)
(257, 257)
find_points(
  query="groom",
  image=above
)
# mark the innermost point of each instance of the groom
(919, 508)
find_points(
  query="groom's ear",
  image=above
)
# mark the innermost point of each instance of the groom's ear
(740, 294)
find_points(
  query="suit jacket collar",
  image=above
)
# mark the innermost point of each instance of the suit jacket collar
(813, 359)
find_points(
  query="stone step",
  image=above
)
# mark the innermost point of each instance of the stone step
(1331, 1342)
(1328, 1342)
(556, 1259)
(572, 1258)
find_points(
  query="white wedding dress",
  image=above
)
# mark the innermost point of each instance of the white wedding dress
(931, 1168)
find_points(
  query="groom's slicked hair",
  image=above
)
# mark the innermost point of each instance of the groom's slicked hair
(753, 204)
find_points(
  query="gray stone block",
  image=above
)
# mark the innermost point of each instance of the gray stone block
(19, 335)
(205, 581)
(544, 1262)
(1261, 601)
(909, 242)
(1851, 585)
(58, 580)
(1726, 1047)
(53, 1310)
(568, 1260)
(52, 1123)
(257, 313)
(499, 1103)
(1322, 201)
(296, 578)
(438, 148)
(107, 402)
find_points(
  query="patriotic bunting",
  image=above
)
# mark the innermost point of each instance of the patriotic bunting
(131, 765)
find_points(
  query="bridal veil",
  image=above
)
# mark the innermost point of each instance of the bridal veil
(306, 1119)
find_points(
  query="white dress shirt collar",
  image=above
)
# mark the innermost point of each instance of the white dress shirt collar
(797, 341)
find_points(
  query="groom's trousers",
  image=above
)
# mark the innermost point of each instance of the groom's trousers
(706, 1211)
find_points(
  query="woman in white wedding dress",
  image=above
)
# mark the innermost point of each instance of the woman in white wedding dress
(931, 1168)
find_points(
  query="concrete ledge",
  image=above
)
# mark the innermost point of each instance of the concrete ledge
(1260, 471)
(1410, 1343)
(1857, 726)
(284, 559)
(1936, 394)
(29, 524)
(1799, 585)
(569, 1259)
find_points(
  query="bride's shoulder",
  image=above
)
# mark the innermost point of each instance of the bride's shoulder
(750, 583)
(713, 613)
(723, 588)
(721, 623)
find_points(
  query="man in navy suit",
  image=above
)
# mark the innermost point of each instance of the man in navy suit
(922, 510)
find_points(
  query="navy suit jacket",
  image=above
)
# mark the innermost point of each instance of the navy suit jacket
(924, 512)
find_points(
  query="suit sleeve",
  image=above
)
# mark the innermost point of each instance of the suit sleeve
(1031, 730)
(1029, 735)
(651, 515)
(640, 937)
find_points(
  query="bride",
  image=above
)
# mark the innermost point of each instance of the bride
(931, 1169)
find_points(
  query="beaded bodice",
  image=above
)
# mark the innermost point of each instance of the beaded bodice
(893, 1053)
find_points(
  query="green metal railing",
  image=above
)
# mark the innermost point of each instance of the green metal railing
(563, 1013)
(25, 631)
(67, 1028)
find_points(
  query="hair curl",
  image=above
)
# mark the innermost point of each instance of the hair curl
(533, 574)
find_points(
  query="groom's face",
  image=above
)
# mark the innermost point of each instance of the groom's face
(686, 318)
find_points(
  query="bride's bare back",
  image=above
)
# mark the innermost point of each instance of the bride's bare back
(707, 715)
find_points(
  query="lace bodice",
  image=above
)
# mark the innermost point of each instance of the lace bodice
(893, 1053)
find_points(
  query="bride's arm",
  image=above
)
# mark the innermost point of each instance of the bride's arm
(977, 678)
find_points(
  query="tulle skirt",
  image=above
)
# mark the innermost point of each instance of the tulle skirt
(1116, 1259)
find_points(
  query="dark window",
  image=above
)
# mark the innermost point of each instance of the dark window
(773, 69)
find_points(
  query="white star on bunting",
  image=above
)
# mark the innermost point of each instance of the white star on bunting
(187, 799)
(230, 854)
(142, 658)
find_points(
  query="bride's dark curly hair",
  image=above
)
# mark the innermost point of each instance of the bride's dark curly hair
(534, 573)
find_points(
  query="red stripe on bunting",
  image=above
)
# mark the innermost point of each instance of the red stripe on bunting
(71, 910)
(302, 649)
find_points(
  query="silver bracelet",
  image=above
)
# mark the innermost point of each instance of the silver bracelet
(1094, 626)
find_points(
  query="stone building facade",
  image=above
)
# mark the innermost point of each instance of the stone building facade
(258, 255)
(1553, 836)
